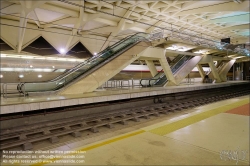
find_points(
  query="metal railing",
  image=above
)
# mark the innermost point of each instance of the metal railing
(11, 89)
(121, 84)
(210, 43)
(190, 80)
(230, 78)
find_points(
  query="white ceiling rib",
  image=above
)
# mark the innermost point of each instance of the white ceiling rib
(211, 19)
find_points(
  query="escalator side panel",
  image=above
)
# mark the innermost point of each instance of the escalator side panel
(186, 69)
(83, 69)
(106, 72)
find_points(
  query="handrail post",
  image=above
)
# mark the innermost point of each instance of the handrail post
(24, 90)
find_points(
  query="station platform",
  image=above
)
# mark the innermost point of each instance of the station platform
(23, 104)
(213, 134)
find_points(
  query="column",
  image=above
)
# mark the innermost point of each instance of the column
(223, 72)
(167, 70)
(201, 71)
(151, 67)
(214, 72)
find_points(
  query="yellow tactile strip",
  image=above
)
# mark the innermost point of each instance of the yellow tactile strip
(95, 146)
(166, 128)
(163, 130)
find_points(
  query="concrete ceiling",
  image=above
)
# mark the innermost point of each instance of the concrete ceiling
(98, 24)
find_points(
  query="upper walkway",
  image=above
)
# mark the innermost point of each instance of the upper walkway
(22, 104)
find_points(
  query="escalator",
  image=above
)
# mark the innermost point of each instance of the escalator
(160, 79)
(87, 67)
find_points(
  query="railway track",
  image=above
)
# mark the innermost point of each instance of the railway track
(25, 136)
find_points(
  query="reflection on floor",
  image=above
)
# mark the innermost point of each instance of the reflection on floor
(213, 134)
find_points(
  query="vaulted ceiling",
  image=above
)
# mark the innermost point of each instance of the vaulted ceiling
(99, 23)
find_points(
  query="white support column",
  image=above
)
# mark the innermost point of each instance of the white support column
(151, 67)
(81, 20)
(36, 20)
(167, 70)
(201, 71)
(214, 71)
(27, 8)
(223, 72)
(23, 23)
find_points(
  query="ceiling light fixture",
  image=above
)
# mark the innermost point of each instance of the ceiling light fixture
(62, 50)
(38, 57)
(31, 66)
(199, 52)
(182, 49)
(39, 76)
(1, 76)
(21, 76)
(172, 48)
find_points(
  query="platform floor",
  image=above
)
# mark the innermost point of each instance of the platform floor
(213, 134)
(21, 104)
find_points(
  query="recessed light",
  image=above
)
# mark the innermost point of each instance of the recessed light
(21, 76)
(95, 53)
(53, 67)
(62, 50)
(31, 66)
(39, 76)
(1, 76)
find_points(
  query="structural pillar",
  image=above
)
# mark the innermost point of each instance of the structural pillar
(201, 71)
(214, 72)
(151, 67)
(223, 72)
(167, 70)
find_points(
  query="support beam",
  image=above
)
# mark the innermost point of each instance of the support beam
(201, 71)
(225, 69)
(36, 20)
(27, 8)
(13, 9)
(22, 27)
(167, 70)
(151, 67)
(186, 69)
(77, 25)
(152, 53)
(59, 9)
(214, 72)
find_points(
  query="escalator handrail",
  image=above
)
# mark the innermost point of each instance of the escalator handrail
(189, 57)
(92, 59)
